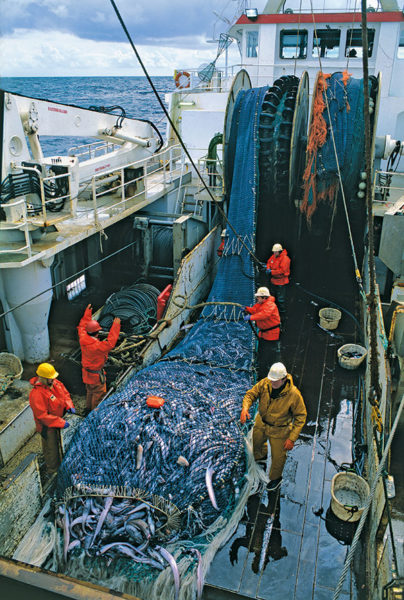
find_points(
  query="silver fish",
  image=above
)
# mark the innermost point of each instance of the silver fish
(104, 513)
(209, 485)
(66, 533)
(199, 574)
(171, 561)
(139, 456)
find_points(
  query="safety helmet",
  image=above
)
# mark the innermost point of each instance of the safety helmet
(93, 327)
(224, 233)
(47, 371)
(263, 291)
(277, 371)
(277, 248)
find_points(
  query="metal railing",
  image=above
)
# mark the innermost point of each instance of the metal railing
(388, 186)
(92, 149)
(106, 194)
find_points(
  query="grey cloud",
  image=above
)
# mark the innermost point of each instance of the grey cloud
(147, 20)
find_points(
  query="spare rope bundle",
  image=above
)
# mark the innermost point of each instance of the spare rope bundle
(136, 306)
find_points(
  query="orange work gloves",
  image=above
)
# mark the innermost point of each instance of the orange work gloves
(288, 445)
(244, 415)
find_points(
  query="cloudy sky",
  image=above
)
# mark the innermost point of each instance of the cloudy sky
(84, 37)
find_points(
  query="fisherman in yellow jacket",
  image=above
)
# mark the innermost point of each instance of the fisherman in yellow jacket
(280, 419)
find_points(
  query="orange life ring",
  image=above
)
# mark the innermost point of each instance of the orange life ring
(182, 79)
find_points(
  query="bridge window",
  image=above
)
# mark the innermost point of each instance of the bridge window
(293, 43)
(75, 288)
(252, 44)
(326, 43)
(400, 50)
(353, 47)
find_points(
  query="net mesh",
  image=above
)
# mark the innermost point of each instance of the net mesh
(136, 477)
(344, 95)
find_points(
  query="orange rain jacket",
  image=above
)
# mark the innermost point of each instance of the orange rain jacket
(49, 404)
(266, 315)
(280, 268)
(221, 248)
(94, 352)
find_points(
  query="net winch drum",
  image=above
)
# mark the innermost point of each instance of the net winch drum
(329, 317)
(10, 369)
(348, 496)
(351, 362)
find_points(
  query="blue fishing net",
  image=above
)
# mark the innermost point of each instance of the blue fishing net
(345, 115)
(164, 457)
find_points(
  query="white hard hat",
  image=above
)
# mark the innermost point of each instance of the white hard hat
(263, 291)
(277, 371)
(277, 248)
(224, 233)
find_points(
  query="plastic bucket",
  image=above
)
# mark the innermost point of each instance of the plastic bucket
(329, 317)
(351, 362)
(348, 496)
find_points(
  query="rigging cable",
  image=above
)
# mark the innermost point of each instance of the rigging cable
(10, 310)
(357, 271)
(371, 298)
(220, 209)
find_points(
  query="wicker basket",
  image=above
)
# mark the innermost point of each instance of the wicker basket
(349, 362)
(10, 369)
(348, 496)
(329, 318)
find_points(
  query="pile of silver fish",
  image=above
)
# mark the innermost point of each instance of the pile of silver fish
(186, 458)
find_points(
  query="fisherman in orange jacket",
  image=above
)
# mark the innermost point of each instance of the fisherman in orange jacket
(221, 247)
(50, 400)
(278, 267)
(266, 315)
(94, 354)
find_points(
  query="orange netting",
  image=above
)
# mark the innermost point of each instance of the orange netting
(317, 138)
(345, 78)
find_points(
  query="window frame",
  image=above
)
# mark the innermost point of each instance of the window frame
(400, 56)
(248, 46)
(315, 47)
(294, 32)
(350, 47)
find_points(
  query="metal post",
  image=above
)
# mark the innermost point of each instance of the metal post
(94, 188)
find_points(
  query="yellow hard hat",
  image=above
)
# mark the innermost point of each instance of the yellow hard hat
(277, 248)
(47, 371)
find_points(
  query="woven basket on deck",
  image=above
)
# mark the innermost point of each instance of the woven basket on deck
(10, 367)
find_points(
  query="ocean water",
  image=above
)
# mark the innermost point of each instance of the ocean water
(134, 94)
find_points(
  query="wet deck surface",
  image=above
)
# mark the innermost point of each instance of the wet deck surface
(302, 560)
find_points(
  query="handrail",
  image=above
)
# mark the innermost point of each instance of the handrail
(157, 169)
